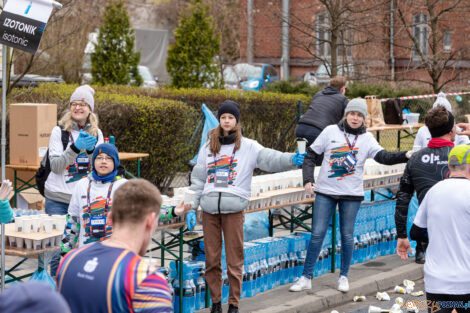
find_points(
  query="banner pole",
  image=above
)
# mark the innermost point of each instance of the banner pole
(3, 141)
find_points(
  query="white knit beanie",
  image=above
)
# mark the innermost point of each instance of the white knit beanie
(442, 101)
(356, 105)
(84, 93)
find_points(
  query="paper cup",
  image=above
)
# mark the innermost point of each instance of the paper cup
(400, 301)
(189, 197)
(27, 225)
(19, 242)
(61, 224)
(28, 243)
(48, 225)
(36, 222)
(58, 239)
(19, 224)
(46, 243)
(37, 244)
(301, 145)
(57, 221)
(12, 241)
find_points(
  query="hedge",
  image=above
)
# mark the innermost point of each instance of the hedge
(160, 127)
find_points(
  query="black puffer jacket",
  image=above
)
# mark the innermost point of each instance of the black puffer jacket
(424, 169)
(326, 108)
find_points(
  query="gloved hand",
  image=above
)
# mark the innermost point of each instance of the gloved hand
(91, 142)
(6, 214)
(5, 189)
(82, 140)
(298, 159)
(191, 220)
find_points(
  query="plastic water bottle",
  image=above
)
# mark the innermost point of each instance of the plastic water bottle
(373, 240)
(249, 281)
(394, 240)
(200, 291)
(225, 287)
(189, 291)
(338, 255)
(369, 248)
(263, 275)
(355, 251)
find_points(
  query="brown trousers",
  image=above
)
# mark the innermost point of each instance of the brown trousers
(232, 227)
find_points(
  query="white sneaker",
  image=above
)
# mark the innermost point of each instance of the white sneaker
(343, 284)
(303, 283)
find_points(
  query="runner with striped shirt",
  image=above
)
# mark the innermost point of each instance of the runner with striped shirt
(111, 276)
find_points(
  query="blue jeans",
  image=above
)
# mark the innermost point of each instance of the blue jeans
(54, 207)
(324, 208)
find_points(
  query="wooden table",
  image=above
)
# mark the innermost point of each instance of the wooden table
(31, 183)
(408, 129)
(131, 156)
(41, 254)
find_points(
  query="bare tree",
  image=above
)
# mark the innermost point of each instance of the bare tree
(429, 29)
(329, 30)
(62, 47)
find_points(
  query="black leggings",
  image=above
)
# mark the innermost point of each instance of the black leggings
(444, 303)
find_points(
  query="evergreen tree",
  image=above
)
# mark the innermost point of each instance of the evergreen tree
(114, 60)
(191, 60)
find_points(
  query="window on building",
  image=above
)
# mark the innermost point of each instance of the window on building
(323, 36)
(420, 33)
(323, 47)
(446, 41)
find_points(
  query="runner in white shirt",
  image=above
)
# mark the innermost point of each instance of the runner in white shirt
(424, 135)
(443, 218)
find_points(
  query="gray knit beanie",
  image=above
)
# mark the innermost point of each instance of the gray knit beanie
(356, 105)
(84, 93)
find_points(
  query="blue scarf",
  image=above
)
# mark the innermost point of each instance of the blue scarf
(108, 178)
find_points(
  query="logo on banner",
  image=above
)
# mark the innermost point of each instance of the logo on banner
(28, 8)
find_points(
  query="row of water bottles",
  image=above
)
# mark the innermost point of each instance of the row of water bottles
(194, 286)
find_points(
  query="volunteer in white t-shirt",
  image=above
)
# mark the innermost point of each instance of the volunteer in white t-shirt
(92, 200)
(221, 181)
(443, 219)
(68, 166)
(424, 135)
(346, 147)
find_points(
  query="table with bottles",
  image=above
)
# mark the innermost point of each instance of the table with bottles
(272, 261)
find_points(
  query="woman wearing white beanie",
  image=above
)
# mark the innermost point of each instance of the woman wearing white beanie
(346, 147)
(424, 136)
(70, 148)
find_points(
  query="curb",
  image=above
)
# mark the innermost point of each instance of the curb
(330, 298)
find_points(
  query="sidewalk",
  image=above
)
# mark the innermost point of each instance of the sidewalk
(377, 275)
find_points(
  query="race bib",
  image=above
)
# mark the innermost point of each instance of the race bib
(221, 178)
(98, 226)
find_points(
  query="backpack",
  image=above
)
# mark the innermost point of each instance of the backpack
(45, 168)
(393, 111)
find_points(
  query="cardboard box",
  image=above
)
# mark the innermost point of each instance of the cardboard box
(31, 125)
(30, 199)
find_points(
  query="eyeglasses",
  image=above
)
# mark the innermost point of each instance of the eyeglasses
(78, 104)
(103, 158)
